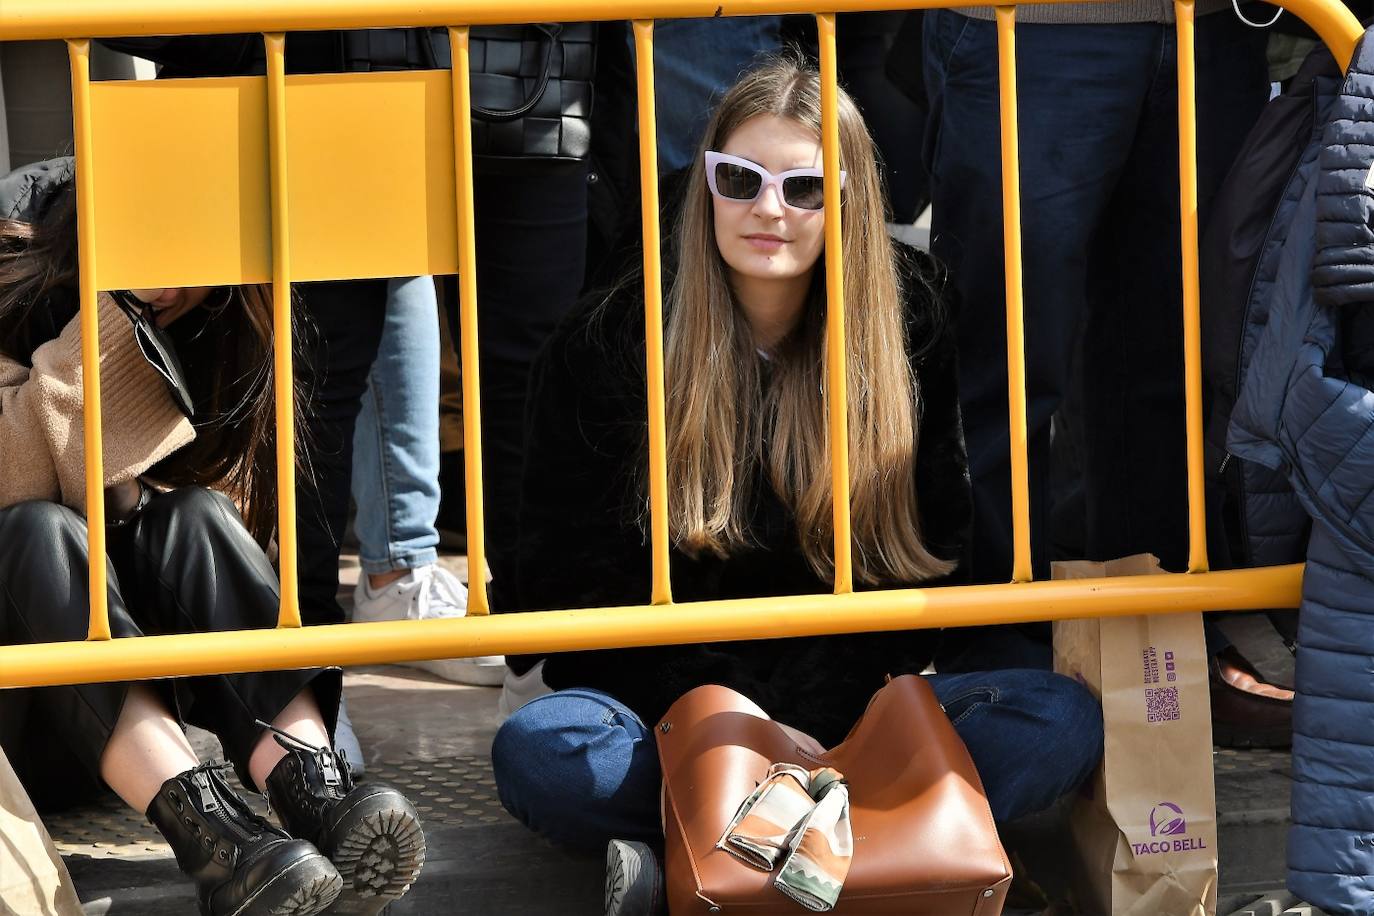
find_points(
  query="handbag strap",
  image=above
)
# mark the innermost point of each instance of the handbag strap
(551, 32)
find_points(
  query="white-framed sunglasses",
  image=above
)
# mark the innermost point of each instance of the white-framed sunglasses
(732, 178)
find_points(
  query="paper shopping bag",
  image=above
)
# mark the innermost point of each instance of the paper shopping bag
(1144, 828)
(33, 880)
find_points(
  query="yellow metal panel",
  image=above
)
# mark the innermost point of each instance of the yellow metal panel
(372, 178)
(559, 631)
(1192, 314)
(662, 592)
(184, 200)
(370, 175)
(461, 95)
(1016, 333)
(79, 53)
(836, 365)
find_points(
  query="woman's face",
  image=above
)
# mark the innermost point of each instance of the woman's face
(171, 303)
(763, 238)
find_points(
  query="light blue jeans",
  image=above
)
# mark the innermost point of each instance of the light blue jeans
(695, 61)
(396, 440)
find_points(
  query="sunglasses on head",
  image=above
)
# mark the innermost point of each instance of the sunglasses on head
(733, 178)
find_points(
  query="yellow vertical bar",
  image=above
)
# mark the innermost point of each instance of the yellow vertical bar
(836, 365)
(283, 373)
(1016, 331)
(1192, 316)
(662, 592)
(79, 54)
(467, 313)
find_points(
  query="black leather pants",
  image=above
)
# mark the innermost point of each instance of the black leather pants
(184, 564)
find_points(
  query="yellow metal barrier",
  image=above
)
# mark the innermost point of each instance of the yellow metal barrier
(268, 166)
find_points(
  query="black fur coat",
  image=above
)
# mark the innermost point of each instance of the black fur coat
(582, 544)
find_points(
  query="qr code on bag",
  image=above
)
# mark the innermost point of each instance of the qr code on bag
(1161, 704)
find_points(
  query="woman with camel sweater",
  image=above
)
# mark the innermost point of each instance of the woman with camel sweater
(187, 403)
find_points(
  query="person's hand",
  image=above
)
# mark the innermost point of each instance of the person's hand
(122, 499)
(803, 740)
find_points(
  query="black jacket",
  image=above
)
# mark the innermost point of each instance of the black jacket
(581, 544)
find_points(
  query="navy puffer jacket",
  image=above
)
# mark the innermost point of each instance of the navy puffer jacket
(1301, 413)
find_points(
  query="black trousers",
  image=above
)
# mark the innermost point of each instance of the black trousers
(1103, 271)
(185, 564)
(531, 234)
(341, 327)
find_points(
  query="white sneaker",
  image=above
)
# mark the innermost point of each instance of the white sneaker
(346, 742)
(428, 593)
(519, 689)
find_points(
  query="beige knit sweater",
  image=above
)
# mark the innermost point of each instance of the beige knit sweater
(42, 453)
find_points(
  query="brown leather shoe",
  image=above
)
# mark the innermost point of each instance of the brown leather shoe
(1247, 711)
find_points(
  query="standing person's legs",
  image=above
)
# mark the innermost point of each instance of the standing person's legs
(1134, 438)
(396, 439)
(531, 236)
(342, 325)
(396, 481)
(1079, 94)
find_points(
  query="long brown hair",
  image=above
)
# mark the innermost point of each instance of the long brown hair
(225, 347)
(720, 410)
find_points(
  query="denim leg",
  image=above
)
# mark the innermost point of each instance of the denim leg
(1034, 736)
(396, 440)
(579, 768)
(1080, 93)
(695, 60)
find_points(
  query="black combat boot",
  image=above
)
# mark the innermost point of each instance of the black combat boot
(242, 865)
(370, 832)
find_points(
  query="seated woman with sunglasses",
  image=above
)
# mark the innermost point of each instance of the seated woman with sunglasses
(749, 501)
(180, 560)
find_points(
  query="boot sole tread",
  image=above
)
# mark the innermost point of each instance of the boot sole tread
(379, 857)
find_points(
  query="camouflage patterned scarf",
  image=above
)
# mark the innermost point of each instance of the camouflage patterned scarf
(801, 819)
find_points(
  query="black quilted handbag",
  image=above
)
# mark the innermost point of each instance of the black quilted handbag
(531, 84)
(532, 89)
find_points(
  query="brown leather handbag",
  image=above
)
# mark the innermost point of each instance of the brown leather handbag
(924, 840)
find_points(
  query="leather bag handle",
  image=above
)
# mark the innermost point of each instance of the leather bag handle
(551, 32)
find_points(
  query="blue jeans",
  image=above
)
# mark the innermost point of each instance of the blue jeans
(695, 61)
(580, 768)
(396, 439)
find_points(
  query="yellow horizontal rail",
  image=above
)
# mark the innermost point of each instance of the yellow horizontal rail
(46, 664)
(22, 20)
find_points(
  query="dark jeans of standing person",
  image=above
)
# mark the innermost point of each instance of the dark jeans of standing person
(531, 237)
(1100, 224)
(183, 564)
(341, 326)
